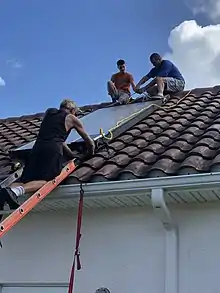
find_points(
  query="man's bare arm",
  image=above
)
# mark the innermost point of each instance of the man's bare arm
(68, 151)
(142, 81)
(132, 83)
(113, 78)
(76, 123)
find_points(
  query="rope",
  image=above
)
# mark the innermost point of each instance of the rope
(76, 258)
(158, 106)
(138, 112)
(104, 136)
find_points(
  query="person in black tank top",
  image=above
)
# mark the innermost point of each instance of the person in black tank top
(53, 126)
(46, 158)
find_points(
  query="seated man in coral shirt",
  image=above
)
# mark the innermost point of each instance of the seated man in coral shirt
(166, 77)
(119, 86)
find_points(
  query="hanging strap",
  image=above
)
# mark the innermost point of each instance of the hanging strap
(76, 259)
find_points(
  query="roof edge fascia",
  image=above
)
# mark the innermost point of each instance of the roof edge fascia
(111, 188)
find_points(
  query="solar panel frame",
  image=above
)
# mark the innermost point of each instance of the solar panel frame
(119, 119)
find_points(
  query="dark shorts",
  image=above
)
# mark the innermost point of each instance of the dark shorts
(45, 162)
(122, 96)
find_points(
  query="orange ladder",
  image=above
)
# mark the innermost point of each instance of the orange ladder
(36, 198)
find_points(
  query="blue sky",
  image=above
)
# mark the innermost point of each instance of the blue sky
(50, 50)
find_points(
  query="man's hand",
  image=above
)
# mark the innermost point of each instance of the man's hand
(133, 83)
(81, 131)
(68, 151)
(138, 91)
(91, 148)
(142, 81)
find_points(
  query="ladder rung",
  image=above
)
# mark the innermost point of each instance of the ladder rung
(6, 212)
(11, 178)
(36, 198)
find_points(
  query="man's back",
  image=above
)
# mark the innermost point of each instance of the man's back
(53, 126)
(166, 69)
(174, 71)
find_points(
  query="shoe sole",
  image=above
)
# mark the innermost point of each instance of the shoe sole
(11, 199)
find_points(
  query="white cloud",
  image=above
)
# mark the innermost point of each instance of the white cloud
(14, 63)
(210, 8)
(196, 52)
(2, 82)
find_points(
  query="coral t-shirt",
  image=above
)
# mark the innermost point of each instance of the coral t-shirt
(122, 81)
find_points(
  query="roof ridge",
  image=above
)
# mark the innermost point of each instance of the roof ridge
(23, 117)
(214, 90)
(40, 114)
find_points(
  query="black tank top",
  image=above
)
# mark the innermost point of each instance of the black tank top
(53, 128)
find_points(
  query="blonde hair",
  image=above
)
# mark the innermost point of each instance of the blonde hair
(68, 104)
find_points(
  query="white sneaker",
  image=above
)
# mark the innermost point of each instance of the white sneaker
(160, 95)
(145, 95)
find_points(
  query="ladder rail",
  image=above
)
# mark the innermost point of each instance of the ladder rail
(36, 198)
(6, 212)
(12, 178)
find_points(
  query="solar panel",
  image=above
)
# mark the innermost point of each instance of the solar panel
(105, 118)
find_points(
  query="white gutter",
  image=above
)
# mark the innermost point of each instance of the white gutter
(138, 186)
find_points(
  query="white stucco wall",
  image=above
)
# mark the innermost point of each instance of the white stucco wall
(121, 249)
(199, 249)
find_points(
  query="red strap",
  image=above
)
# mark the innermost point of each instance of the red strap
(76, 259)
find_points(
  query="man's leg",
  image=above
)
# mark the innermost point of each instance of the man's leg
(155, 87)
(174, 85)
(160, 86)
(31, 186)
(11, 194)
(2, 203)
(152, 91)
(44, 165)
(123, 98)
(112, 91)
